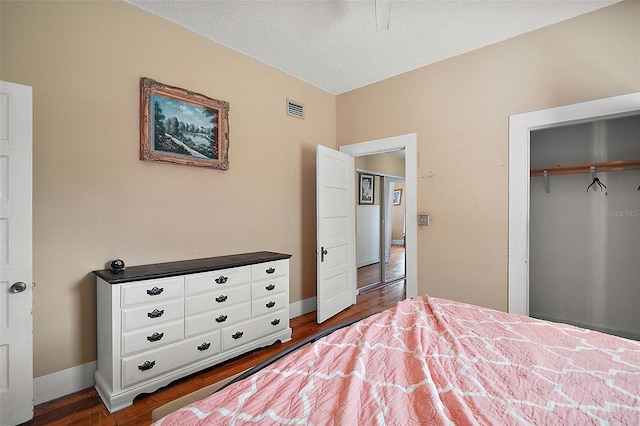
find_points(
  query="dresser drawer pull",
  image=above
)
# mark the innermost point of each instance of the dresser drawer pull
(221, 318)
(221, 298)
(155, 313)
(275, 321)
(271, 304)
(155, 337)
(204, 346)
(148, 365)
(270, 287)
(270, 270)
(155, 291)
(237, 335)
(222, 279)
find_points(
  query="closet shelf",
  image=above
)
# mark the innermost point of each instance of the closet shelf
(570, 169)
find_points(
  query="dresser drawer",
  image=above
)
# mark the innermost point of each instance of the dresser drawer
(217, 299)
(152, 315)
(278, 268)
(151, 364)
(151, 291)
(153, 337)
(270, 287)
(224, 278)
(217, 318)
(269, 304)
(245, 332)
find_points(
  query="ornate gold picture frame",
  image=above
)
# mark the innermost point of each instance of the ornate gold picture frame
(182, 127)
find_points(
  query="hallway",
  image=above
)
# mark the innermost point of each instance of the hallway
(369, 276)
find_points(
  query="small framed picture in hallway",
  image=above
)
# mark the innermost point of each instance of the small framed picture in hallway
(366, 189)
(397, 197)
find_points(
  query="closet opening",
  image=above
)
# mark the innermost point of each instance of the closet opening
(520, 175)
(584, 225)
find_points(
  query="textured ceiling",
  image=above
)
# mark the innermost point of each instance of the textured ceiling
(334, 45)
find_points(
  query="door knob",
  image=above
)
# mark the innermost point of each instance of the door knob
(18, 287)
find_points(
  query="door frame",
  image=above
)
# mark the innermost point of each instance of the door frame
(520, 127)
(408, 143)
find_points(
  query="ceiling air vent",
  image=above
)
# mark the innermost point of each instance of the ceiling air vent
(295, 109)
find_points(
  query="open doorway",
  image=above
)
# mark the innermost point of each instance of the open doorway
(380, 220)
(335, 173)
(520, 127)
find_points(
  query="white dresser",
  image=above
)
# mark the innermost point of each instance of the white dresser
(157, 323)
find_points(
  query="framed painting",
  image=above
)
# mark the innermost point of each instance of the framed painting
(397, 197)
(182, 127)
(366, 189)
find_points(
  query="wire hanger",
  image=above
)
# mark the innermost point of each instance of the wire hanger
(596, 181)
(600, 184)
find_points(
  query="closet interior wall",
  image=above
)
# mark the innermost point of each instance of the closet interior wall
(585, 245)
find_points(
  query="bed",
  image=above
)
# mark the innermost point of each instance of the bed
(438, 362)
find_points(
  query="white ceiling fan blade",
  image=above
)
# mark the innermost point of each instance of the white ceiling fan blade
(383, 13)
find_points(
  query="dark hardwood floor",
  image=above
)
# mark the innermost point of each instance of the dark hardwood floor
(370, 274)
(86, 408)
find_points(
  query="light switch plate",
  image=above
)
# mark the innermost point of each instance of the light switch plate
(423, 220)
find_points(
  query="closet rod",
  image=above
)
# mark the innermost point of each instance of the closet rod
(570, 169)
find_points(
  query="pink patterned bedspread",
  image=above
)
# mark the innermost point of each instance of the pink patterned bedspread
(433, 361)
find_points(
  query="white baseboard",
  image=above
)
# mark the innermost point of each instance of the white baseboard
(302, 307)
(55, 385)
(63, 382)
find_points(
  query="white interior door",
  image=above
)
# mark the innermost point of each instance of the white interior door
(16, 335)
(336, 242)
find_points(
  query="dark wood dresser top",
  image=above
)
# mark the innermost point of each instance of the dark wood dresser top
(182, 267)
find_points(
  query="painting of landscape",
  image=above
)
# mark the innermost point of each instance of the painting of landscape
(183, 127)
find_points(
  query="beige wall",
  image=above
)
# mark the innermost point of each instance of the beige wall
(381, 163)
(94, 200)
(460, 109)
